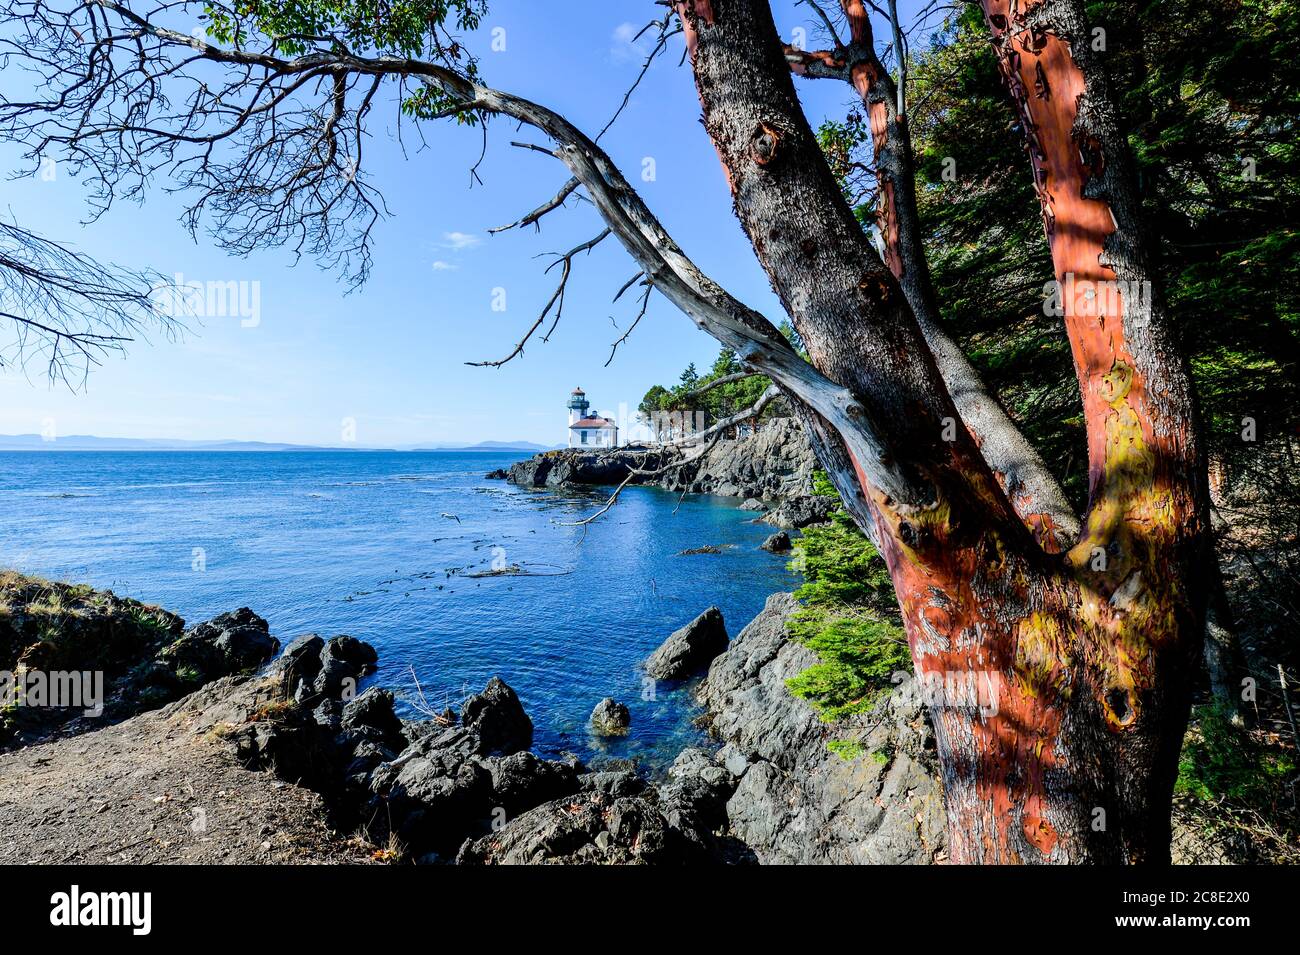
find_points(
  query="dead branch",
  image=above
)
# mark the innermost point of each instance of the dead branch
(68, 309)
(645, 302)
(556, 301)
(534, 217)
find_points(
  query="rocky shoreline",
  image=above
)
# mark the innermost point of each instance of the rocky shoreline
(771, 469)
(282, 743)
(466, 787)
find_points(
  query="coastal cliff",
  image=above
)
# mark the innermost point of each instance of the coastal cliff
(772, 464)
(772, 469)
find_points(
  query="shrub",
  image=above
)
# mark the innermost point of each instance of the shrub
(849, 619)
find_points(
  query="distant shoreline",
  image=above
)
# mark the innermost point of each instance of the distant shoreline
(68, 450)
(254, 448)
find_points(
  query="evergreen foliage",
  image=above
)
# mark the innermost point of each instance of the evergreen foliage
(849, 619)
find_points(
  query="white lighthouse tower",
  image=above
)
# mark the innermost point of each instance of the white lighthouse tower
(578, 405)
(588, 430)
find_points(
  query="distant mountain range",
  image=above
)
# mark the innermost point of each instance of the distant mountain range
(87, 442)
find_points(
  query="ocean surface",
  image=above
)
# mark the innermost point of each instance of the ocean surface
(385, 546)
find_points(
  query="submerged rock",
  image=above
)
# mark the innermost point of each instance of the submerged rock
(610, 718)
(689, 650)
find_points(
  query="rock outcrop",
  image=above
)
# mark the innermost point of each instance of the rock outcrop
(794, 800)
(233, 642)
(466, 787)
(799, 512)
(688, 650)
(774, 464)
(131, 656)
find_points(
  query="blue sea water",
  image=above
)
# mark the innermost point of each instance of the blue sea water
(381, 545)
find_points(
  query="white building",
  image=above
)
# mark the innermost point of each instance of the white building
(587, 430)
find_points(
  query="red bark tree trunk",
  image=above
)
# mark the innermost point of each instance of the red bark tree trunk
(1060, 682)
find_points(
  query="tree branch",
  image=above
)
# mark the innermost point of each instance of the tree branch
(556, 301)
(1031, 487)
(548, 206)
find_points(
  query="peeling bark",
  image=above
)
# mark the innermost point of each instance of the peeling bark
(1085, 664)
(1033, 490)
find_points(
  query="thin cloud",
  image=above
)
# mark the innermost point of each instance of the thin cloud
(459, 241)
(441, 266)
(626, 47)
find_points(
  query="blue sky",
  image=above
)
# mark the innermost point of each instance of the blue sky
(390, 357)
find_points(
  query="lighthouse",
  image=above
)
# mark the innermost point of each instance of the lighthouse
(587, 430)
(578, 405)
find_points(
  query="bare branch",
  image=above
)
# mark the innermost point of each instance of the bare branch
(68, 309)
(645, 302)
(825, 19)
(556, 301)
(666, 31)
(548, 206)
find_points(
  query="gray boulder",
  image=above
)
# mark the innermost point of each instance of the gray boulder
(300, 661)
(498, 718)
(799, 512)
(342, 659)
(621, 782)
(593, 828)
(456, 774)
(356, 653)
(610, 718)
(523, 780)
(689, 650)
(372, 710)
(330, 678)
(778, 543)
(230, 643)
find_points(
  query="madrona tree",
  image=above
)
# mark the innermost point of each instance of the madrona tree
(1061, 647)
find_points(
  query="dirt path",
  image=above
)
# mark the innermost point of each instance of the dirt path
(162, 788)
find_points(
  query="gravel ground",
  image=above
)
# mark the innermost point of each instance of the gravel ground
(163, 787)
